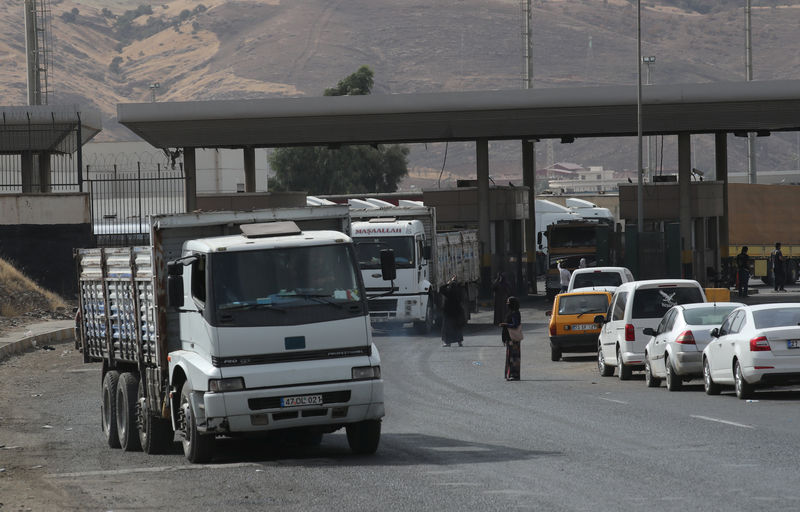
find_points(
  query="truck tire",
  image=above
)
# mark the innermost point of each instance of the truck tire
(197, 448)
(364, 436)
(127, 431)
(155, 433)
(108, 408)
(426, 327)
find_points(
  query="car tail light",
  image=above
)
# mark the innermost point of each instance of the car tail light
(553, 329)
(685, 338)
(759, 344)
(630, 333)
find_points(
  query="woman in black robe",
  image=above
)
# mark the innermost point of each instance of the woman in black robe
(513, 348)
(452, 314)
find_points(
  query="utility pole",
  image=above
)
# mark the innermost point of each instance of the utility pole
(153, 87)
(748, 64)
(529, 152)
(640, 184)
(32, 54)
(650, 158)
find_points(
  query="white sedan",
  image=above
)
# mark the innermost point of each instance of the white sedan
(675, 349)
(756, 346)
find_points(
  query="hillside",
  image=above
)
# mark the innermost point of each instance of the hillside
(110, 51)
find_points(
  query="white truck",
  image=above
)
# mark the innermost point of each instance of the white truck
(232, 323)
(425, 260)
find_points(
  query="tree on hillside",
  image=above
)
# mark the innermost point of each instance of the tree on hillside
(345, 170)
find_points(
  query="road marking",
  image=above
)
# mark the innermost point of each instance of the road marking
(726, 422)
(612, 400)
(159, 469)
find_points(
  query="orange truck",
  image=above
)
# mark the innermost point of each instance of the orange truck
(759, 216)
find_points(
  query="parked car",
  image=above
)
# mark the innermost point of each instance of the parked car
(598, 278)
(572, 327)
(635, 306)
(756, 346)
(675, 350)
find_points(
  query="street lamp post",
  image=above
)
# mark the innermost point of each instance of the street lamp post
(649, 60)
(153, 87)
(640, 184)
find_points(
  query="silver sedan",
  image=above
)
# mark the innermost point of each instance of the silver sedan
(675, 350)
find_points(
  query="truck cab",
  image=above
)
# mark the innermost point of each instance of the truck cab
(406, 298)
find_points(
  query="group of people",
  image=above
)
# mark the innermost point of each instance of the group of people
(506, 316)
(777, 263)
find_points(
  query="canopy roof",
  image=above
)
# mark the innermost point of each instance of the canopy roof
(51, 128)
(757, 106)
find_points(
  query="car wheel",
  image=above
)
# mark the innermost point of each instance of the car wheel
(674, 381)
(602, 367)
(708, 382)
(555, 353)
(624, 371)
(649, 379)
(743, 388)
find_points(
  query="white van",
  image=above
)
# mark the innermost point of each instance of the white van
(601, 279)
(635, 306)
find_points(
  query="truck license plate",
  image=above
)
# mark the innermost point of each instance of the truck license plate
(793, 344)
(296, 401)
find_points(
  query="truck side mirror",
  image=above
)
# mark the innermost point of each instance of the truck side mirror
(388, 267)
(175, 285)
(427, 252)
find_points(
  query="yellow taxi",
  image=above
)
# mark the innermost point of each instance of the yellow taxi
(572, 327)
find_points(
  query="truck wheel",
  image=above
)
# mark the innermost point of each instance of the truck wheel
(108, 408)
(126, 412)
(427, 326)
(364, 436)
(197, 448)
(155, 433)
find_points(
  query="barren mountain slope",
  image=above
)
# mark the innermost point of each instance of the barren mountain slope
(218, 49)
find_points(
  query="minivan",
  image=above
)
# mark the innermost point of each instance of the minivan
(635, 306)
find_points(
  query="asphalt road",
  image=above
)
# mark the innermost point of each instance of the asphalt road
(457, 436)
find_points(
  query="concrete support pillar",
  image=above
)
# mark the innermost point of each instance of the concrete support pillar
(190, 172)
(249, 169)
(45, 182)
(684, 181)
(529, 180)
(482, 157)
(721, 158)
(27, 172)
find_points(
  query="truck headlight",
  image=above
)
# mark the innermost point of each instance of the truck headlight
(223, 385)
(366, 372)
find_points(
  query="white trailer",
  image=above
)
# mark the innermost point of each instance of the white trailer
(232, 323)
(425, 260)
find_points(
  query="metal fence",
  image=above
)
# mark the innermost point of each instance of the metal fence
(63, 173)
(122, 200)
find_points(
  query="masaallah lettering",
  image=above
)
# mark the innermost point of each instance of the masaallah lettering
(370, 231)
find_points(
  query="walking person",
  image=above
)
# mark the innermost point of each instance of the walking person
(778, 268)
(453, 317)
(502, 291)
(743, 271)
(511, 327)
(564, 275)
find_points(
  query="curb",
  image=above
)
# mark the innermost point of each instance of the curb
(29, 343)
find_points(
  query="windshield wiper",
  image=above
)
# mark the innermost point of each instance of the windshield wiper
(319, 297)
(249, 305)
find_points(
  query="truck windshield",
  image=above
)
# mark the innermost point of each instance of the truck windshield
(572, 236)
(280, 279)
(369, 249)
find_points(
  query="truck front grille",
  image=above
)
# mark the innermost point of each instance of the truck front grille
(383, 305)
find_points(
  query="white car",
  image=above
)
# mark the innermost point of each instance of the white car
(635, 306)
(605, 279)
(675, 350)
(756, 346)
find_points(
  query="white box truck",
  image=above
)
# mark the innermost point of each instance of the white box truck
(232, 323)
(425, 260)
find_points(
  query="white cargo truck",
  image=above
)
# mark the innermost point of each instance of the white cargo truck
(232, 323)
(425, 260)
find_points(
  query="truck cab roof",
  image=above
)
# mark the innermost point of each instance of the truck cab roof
(244, 243)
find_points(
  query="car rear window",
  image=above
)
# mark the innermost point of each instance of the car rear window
(590, 279)
(712, 315)
(780, 317)
(654, 302)
(578, 304)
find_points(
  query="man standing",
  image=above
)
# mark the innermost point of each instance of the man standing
(743, 271)
(564, 275)
(778, 268)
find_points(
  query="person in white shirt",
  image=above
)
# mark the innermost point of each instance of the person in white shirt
(564, 275)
